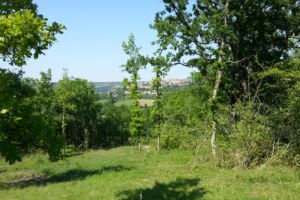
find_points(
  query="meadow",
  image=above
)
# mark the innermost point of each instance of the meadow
(125, 174)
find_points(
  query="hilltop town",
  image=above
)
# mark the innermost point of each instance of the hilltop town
(145, 86)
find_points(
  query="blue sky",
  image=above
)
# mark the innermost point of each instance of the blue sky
(91, 48)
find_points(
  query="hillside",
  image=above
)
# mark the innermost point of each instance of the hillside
(104, 87)
(145, 86)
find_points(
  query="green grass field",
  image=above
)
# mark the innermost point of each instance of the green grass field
(126, 102)
(125, 174)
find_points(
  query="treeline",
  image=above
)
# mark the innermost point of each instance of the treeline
(36, 114)
(242, 109)
(245, 99)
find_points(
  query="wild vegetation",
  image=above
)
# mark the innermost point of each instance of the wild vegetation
(234, 133)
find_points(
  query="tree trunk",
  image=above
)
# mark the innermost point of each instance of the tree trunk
(216, 90)
(63, 129)
(214, 124)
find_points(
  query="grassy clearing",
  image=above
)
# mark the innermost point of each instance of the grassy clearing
(125, 174)
(126, 102)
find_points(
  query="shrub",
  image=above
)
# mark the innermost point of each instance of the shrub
(247, 140)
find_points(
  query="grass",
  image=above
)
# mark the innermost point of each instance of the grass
(126, 102)
(125, 174)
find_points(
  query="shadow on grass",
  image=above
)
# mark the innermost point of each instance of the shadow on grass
(71, 175)
(180, 189)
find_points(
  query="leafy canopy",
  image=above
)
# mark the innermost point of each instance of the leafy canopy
(23, 32)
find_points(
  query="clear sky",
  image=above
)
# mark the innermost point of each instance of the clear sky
(91, 48)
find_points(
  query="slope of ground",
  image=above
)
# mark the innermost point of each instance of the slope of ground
(142, 102)
(125, 174)
(105, 87)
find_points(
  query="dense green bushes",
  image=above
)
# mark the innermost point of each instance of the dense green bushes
(36, 114)
(249, 133)
(244, 97)
(112, 126)
(25, 121)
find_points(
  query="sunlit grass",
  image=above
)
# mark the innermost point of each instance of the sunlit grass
(124, 173)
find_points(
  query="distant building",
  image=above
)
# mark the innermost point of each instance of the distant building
(176, 82)
(146, 86)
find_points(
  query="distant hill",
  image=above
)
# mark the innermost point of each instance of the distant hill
(104, 87)
(145, 86)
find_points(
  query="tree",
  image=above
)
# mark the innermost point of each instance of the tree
(160, 68)
(134, 63)
(24, 33)
(12, 6)
(76, 103)
(112, 126)
(24, 107)
(25, 124)
(185, 117)
(196, 36)
(230, 42)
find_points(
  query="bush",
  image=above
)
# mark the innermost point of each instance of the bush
(247, 140)
(180, 137)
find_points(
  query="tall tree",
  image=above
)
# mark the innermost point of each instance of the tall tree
(77, 107)
(160, 68)
(230, 42)
(44, 98)
(24, 33)
(25, 121)
(133, 65)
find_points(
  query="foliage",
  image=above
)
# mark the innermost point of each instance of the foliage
(286, 128)
(186, 116)
(178, 137)
(24, 33)
(249, 140)
(246, 87)
(112, 126)
(239, 62)
(160, 68)
(26, 119)
(294, 112)
(194, 35)
(77, 108)
(134, 63)
(24, 122)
